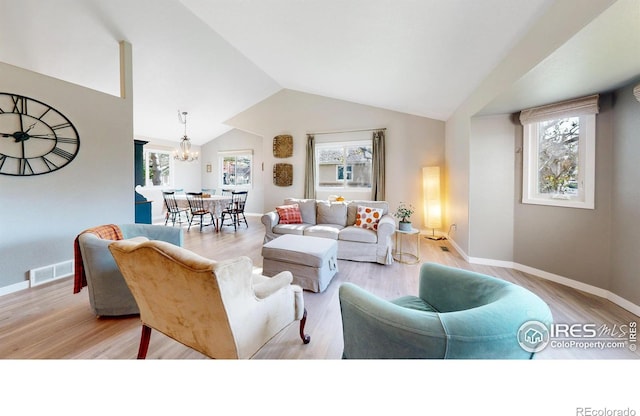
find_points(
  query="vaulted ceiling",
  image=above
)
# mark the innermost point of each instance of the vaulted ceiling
(216, 58)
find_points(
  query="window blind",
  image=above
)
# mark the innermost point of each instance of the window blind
(578, 106)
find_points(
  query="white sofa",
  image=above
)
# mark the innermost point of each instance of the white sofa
(336, 220)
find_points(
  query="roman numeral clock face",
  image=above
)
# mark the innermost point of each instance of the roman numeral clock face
(34, 137)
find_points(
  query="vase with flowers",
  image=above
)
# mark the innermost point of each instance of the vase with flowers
(404, 213)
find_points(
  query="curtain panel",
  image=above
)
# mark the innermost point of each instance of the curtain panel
(310, 175)
(378, 169)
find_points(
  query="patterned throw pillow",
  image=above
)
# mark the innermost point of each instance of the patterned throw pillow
(367, 217)
(289, 214)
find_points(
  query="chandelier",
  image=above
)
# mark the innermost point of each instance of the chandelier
(184, 154)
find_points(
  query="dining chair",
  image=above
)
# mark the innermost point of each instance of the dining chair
(235, 210)
(174, 212)
(229, 193)
(197, 208)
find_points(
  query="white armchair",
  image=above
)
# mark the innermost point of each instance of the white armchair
(219, 308)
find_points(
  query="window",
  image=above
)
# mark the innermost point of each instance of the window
(236, 168)
(344, 165)
(157, 168)
(559, 158)
(344, 172)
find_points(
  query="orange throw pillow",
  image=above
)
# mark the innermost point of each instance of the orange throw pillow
(367, 217)
(289, 214)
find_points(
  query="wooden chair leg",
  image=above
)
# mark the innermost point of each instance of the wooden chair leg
(144, 342)
(305, 337)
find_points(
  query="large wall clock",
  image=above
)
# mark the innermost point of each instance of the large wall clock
(35, 138)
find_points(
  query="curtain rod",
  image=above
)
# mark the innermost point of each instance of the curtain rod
(344, 131)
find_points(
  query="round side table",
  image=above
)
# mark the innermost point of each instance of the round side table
(402, 256)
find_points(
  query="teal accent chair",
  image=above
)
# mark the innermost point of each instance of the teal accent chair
(457, 314)
(109, 294)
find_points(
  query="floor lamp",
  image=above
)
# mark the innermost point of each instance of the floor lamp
(432, 204)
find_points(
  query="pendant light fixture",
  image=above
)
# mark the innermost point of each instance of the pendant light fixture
(184, 154)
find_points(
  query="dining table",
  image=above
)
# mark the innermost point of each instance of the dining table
(215, 204)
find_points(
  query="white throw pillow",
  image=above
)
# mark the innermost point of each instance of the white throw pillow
(332, 213)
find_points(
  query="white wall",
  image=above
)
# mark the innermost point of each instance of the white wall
(625, 195)
(41, 215)
(412, 142)
(491, 187)
(457, 181)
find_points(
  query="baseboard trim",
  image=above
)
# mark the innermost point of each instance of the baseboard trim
(594, 290)
(16, 287)
(623, 303)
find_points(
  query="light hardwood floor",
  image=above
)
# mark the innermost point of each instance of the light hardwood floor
(49, 321)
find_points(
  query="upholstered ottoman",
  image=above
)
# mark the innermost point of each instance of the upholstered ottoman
(312, 260)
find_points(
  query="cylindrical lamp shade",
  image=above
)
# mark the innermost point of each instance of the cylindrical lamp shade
(431, 195)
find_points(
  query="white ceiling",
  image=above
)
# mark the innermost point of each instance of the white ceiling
(216, 58)
(601, 57)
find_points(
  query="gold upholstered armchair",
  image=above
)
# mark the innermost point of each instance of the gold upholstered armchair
(220, 308)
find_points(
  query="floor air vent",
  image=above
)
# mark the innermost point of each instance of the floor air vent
(49, 273)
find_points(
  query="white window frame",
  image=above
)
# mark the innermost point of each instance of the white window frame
(346, 173)
(585, 197)
(236, 153)
(343, 143)
(147, 179)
